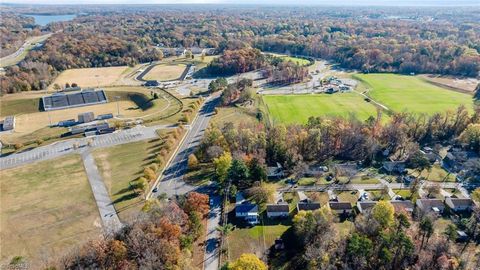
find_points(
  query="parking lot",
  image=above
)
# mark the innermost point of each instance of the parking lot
(78, 146)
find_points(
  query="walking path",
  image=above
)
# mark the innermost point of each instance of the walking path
(108, 214)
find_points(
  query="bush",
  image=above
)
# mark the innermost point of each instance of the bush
(18, 146)
(149, 174)
(192, 161)
(154, 167)
(39, 142)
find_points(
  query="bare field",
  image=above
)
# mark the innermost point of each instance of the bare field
(465, 84)
(47, 208)
(165, 72)
(91, 77)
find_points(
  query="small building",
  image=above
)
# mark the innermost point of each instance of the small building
(105, 116)
(341, 208)
(430, 205)
(245, 209)
(364, 206)
(8, 123)
(458, 204)
(308, 206)
(67, 123)
(275, 172)
(279, 210)
(394, 167)
(86, 117)
(151, 83)
(403, 206)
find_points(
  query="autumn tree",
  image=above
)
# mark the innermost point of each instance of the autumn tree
(383, 212)
(192, 161)
(222, 165)
(247, 262)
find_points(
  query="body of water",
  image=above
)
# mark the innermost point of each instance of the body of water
(46, 19)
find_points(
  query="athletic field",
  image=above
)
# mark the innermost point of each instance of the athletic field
(412, 94)
(298, 108)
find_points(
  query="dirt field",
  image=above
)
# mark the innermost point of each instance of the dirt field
(31, 122)
(47, 208)
(92, 77)
(465, 84)
(165, 72)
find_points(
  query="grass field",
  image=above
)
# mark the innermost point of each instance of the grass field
(412, 94)
(135, 101)
(298, 108)
(436, 174)
(296, 60)
(90, 77)
(119, 165)
(46, 207)
(165, 72)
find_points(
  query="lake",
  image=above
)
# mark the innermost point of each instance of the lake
(46, 19)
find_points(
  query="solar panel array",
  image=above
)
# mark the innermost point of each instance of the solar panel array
(83, 98)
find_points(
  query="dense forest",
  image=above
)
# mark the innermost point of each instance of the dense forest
(432, 40)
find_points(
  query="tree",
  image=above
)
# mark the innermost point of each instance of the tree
(222, 165)
(476, 195)
(258, 172)
(359, 249)
(471, 137)
(433, 190)
(247, 262)
(451, 232)
(426, 228)
(226, 229)
(238, 172)
(197, 202)
(383, 212)
(192, 162)
(160, 55)
(419, 162)
(188, 54)
(149, 174)
(56, 87)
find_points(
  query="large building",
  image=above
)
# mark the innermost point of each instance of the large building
(86, 97)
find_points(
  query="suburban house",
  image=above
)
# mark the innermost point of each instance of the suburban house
(280, 210)
(431, 205)
(341, 208)
(458, 204)
(308, 206)
(365, 205)
(275, 172)
(394, 167)
(246, 210)
(403, 206)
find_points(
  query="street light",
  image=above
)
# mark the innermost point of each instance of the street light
(118, 105)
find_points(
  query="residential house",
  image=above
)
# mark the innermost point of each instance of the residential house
(459, 204)
(308, 206)
(430, 205)
(394, 167)
(279, 210)
(403, 206)
(246, 210)
(364, 206)
(275, 172)
(341, 208)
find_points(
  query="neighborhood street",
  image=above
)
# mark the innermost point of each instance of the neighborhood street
(212, 242)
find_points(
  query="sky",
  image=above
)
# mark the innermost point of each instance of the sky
(265, 2)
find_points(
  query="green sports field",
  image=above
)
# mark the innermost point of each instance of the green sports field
(412, 94)
(298, 108)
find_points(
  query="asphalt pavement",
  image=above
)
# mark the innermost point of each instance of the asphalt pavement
(212, 243)
(171, 182)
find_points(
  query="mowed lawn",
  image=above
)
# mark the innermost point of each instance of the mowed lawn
(122, 164)
(298, 108)
(412, 94)
(164, 72)
(46, 207)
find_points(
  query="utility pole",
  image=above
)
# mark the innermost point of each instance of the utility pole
(118, 105)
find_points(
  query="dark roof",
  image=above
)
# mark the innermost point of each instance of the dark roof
(461, 202)
(340, 205)
(308, 206)
(367, 204)
(430, 203)
(278, 208)
(246, 207)
(402, 205)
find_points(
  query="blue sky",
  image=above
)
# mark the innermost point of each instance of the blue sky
(270, 2)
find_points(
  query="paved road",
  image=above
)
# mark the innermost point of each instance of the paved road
(211, 259)
(171, 181)
(108, 214)
(67, 147)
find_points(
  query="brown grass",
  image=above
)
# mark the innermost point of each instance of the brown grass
(460, 83)
(165, 72)
(90, 77)
(48, 208)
